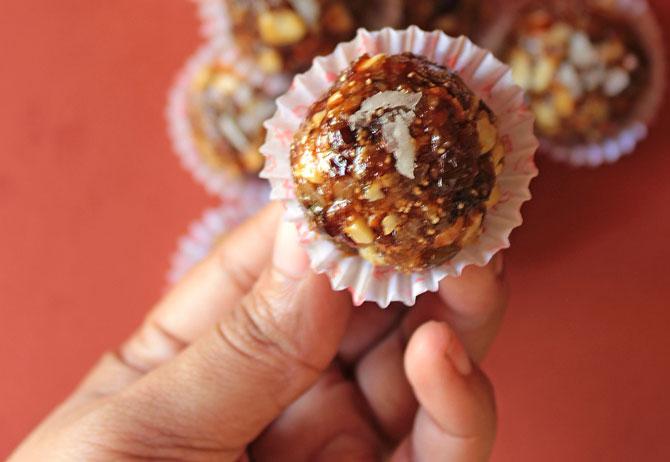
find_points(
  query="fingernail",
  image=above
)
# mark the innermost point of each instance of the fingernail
(499, 264)
(289, 257)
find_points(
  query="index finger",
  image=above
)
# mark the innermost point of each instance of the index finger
(473, 304)
(214, 286)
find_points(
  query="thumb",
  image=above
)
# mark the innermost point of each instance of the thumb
(228, 386)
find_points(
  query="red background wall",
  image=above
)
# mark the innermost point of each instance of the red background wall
(92, 202)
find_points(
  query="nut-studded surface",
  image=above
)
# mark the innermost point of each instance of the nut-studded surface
(226, 114)
(583, 68)
(286, 35)
(348, 175)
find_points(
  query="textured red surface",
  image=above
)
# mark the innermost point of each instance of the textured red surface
(92, 202)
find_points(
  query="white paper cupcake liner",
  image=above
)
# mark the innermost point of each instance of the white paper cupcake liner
(488, 78)
(641, 18)
(214, 18)
(205, 233)
(215, 181)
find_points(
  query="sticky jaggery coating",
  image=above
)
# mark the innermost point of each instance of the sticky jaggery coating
(454, 17)
(226, 113)
(397, 162)
(583, 68)
(286, 35)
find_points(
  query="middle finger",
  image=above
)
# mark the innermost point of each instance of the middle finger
(476, 302)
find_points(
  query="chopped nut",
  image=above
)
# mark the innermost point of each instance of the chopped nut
(374, 192)
(389, 223)
(335, 99)
(369, 254)
(449, 235)
(311, 174)
(225, 84)
(281, 27)
(488, 133)
(474, 230)
(309, 170)
(582, 52)
(559, 34)
(564, 102)
(498, 157)
(387, 181)
(360, 232)
(370, 62)
(521, 65)
(318, 117)
(611, 51)
(270, 61)
(544, 74)
(546, 116)
(567, 75)
(616, 81)
(494, 197)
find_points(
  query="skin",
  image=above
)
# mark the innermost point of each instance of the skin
(253, 357)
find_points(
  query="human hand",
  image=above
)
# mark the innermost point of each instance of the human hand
(252, 356)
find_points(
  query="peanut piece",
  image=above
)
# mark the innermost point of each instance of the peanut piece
(369, 254)
(449, 235)
(370, 62)
(494, 197)
(373, 192)
(335, 99)
(389, 223)
(281, 27)
(360, 232)
(488, 133)
(521, 68)
(270, 61)
(318, 118)
(544, 74)
(564, 102)
(473, 231)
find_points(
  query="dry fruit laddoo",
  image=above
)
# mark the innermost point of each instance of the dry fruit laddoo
(583, 68)
(398, 162)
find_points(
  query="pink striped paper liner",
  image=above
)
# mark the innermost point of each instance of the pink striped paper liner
(641, 18)
(204, 233)
(216, 181)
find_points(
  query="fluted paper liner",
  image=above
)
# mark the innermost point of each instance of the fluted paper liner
(488, 78)
(640, 17)
(215, 180)
(203, 234)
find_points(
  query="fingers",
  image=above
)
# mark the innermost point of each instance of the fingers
(381, 378)
(478, 298)
(229, 385)
(328, 423)
(477, 301)
(367, 326)
(217, 284)
(456, 421)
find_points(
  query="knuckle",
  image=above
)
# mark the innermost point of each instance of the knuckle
(255, 330)
(236, 276)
